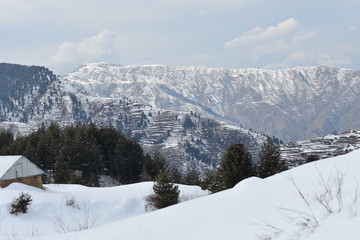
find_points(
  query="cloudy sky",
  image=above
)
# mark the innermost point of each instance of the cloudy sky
(63, 34)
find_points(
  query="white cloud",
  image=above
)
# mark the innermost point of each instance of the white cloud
(181, 32)
(259, 34)
(304, 37)
(86, 50)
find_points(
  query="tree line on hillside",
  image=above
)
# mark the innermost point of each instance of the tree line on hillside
(81, 153)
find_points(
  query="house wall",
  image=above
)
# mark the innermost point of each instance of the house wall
(22, 168)
(35, 181)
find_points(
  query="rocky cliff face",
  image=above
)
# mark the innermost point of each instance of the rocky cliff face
(291, 104)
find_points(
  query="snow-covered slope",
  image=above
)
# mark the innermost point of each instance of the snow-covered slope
(319, 200)
(59, 209)
(299, 103)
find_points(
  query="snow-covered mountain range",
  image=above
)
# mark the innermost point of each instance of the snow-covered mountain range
(33, 95)
(299, 103)
(191, 113)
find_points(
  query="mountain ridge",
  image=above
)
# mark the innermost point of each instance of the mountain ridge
(293, 104)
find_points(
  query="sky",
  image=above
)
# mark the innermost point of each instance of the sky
(63, 34)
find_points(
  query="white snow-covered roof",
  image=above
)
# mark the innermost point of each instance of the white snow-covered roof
(6, 162)
(12, 167)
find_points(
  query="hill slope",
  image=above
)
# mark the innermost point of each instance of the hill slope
(314, 201)
(330, 145)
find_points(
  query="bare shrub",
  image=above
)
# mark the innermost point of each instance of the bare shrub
(328, 197)
(13, 233)
(269, 231)
(85, 221)
(70, 201)
(150, 206)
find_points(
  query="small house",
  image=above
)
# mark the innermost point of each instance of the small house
(19, 169)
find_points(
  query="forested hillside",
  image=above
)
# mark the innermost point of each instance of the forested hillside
(80, 153)
(21, 89)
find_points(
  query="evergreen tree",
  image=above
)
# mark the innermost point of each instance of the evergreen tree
(270, 161)
(133, 157)
(192, 177)
(94, 165)
(53, 139)
(175, 174)
(107, 141)
(21, 203)
(118, 162)
(48, 145)
(312, 157)
(236, 165)
(153, 165)
(6, 140)
(30, 149)
(208, 179)
(88, 156)
(18, 146)
(62, 169)
(66, 156)
(212, 181)
(166, 193)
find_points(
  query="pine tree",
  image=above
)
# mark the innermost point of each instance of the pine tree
(311, 158)
(53, 140)
(236, 165)
(153, 165)
(88, 155)
(211, 182)
(107, 140)
(192, 177)
(62, 169)
(166, 193)
(270, 161)
(6, 139)
(21, 203)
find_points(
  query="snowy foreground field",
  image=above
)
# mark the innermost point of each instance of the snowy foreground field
(316, 201)
(61, 209)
